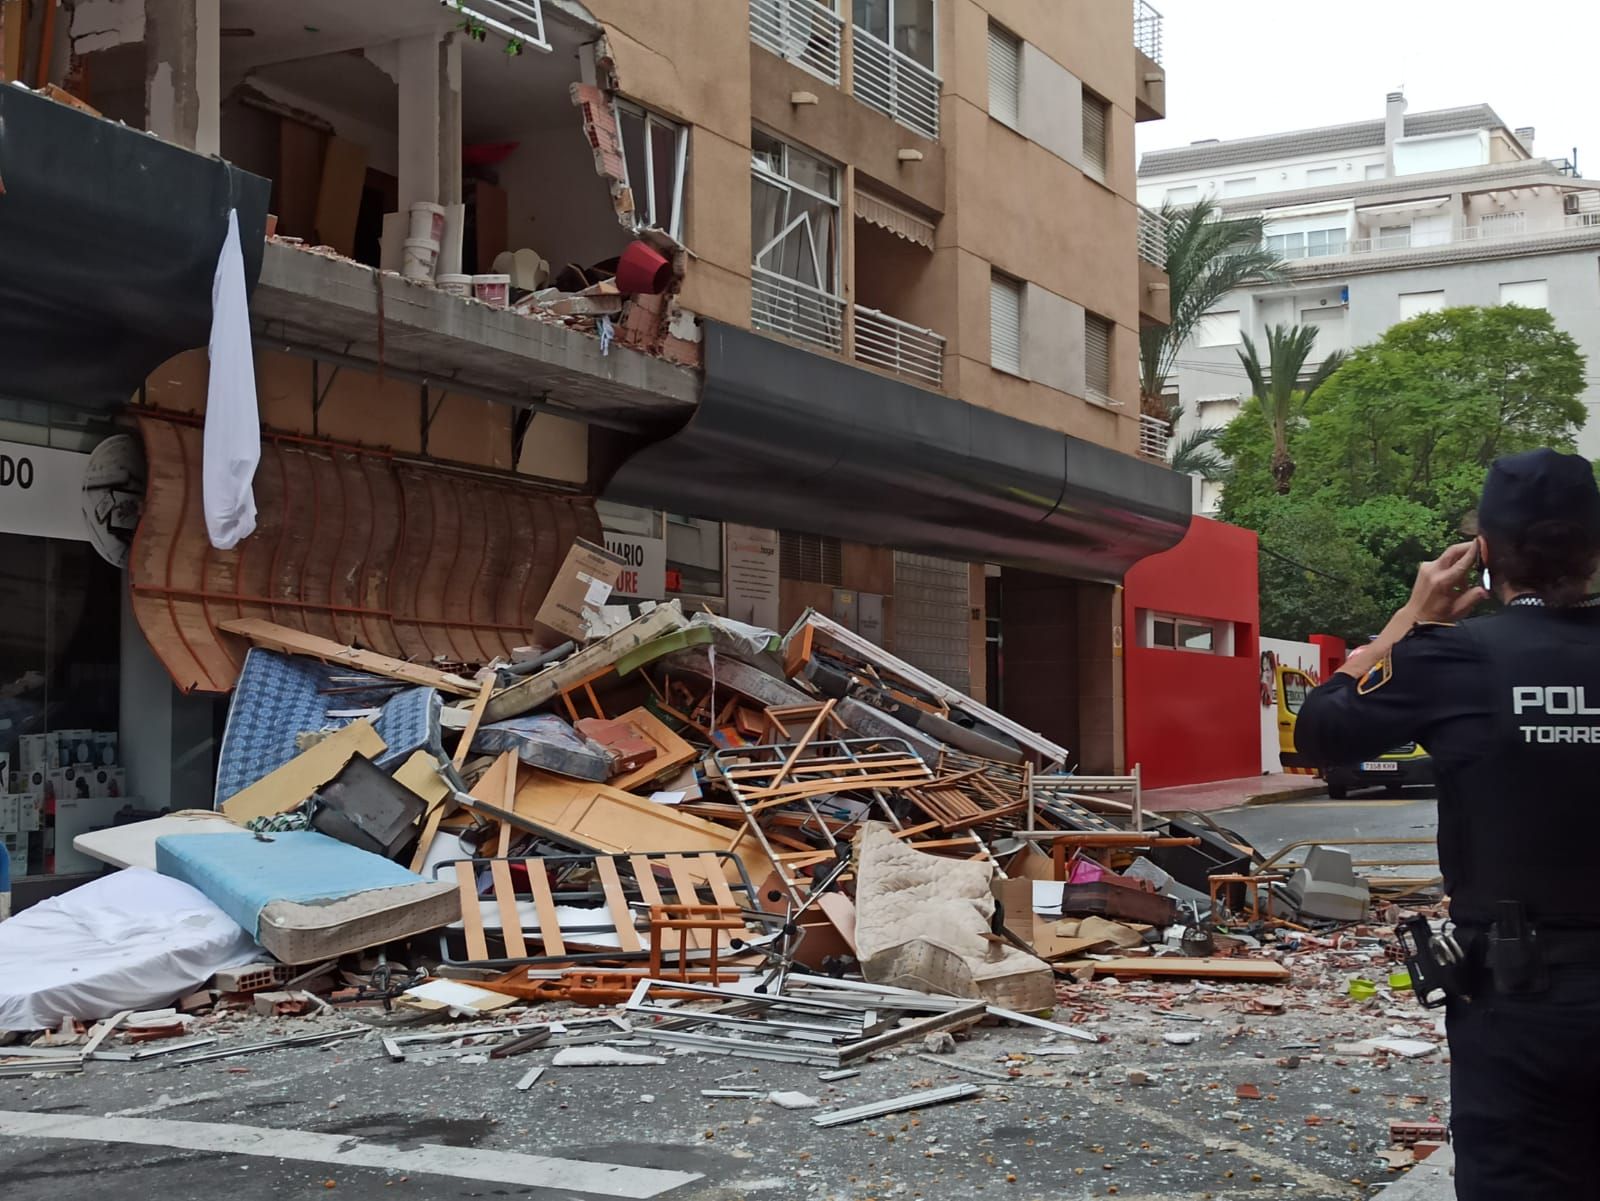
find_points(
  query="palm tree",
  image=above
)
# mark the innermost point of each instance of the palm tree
(1207, 257)
(1278, 389)
(1196, 452)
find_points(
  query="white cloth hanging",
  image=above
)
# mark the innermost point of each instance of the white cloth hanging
(233, 422)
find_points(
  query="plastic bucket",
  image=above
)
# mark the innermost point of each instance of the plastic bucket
(642, 270)
(427, 221)
(493, 290)
(420, 256)
(456, 285)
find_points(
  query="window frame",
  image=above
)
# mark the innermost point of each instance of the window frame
(1091, 392)
(680, 158)
(783, 180)
(1017, 288)
(1000, 35)
(1157, 624)
(1099, 170)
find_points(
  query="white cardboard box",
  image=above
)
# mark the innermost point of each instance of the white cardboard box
(78, 815)
(106, 782)
(31, 752)
(17, 847)
(105, 748)
(11, 812)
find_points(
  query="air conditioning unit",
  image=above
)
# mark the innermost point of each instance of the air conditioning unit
(1569, 203)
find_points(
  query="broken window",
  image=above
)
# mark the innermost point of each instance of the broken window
(655, 152)
(794, 214)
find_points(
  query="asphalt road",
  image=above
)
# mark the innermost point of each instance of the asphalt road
(347, 1122)
(1335, 823)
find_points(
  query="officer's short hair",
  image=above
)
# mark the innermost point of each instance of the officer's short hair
(1556, 559)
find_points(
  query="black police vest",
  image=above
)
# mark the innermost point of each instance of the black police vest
(1518, 814)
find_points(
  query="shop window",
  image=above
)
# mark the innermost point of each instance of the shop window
(812, 558)
(59, 660)
(694, 556)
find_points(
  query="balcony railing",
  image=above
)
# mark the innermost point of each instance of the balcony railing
(1154, 437)
(785, 306)
(898, 346)
(1147, 30)
(1152, 237)
(896, 84)
(1493, 232)
(805, 32)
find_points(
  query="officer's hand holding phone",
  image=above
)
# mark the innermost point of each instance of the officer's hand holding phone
(1446, 589)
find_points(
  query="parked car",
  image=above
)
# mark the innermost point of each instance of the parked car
(1408, 766)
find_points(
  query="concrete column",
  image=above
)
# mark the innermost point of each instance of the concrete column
(164, 738)
(430, 119)
(183, 73)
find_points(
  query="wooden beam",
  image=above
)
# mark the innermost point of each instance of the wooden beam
(297, 642)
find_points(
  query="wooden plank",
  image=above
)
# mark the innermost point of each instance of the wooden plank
(1181, 967)
(344, 177)
(421, 775)
(803, 742)
(430, 831)
(465, 747)
(288, 786)
(298, 642)
(299, 178)
(471, 914)
(683, 883)
(545, 903)
(672, 752)
(712, 871)
(505, 896)
(508, 799)
(644, 874)
(617, 903)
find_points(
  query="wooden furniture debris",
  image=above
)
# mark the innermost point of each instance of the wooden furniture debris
(710, 926)
(968, 798)
(1180, 967)
(1249, 885)
(281, 790)
(298, 642)
(519, 920)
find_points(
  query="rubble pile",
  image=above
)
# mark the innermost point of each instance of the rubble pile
(661, 834)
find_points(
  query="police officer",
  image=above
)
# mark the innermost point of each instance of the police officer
(1509, 707)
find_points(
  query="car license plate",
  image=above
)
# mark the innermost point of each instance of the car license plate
(1380, 765)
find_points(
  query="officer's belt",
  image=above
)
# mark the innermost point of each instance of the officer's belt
(1558, 946)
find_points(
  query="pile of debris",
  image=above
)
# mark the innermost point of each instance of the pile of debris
(796, 848)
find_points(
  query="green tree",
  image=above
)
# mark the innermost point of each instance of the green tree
(1277, 388)
(1389, 456)
(1207, 257)
(1196, 453)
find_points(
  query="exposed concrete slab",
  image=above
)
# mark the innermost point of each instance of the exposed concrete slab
(309, 300)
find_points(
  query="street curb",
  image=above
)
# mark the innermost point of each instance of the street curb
(1287, 794)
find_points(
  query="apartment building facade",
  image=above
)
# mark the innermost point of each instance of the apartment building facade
(892, 373)
(1382, 220)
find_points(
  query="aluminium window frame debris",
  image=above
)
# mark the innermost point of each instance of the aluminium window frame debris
(574, 1032)
(316, 1038)
(881, 1109)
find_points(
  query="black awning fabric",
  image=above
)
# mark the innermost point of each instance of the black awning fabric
(797, 441)
(108, 241)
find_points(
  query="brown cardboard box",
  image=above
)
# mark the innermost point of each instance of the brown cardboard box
(584, 582)
(1016, 899)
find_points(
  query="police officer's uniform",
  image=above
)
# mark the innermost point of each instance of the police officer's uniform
(1509, 708)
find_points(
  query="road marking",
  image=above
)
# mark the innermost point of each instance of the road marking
(338, 1150)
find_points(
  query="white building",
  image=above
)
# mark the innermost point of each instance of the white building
(1380, 221)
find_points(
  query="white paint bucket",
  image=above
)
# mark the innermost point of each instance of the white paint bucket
(427, 221)
(456, 285)
(493, 290)
(420, 256)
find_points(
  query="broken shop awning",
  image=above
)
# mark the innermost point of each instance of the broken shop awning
(108, 241)
(406, 558)
(794, 440)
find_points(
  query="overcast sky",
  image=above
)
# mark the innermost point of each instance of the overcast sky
(1237, 68)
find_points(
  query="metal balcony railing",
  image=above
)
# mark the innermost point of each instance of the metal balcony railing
(1147, 30)
(1155, 435)
(898, 346)
(781, 305)
(805, 32)
(896, 84)
(1152, 237)
(1491, 232)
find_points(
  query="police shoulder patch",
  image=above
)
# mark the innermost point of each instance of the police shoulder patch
(1377, 676)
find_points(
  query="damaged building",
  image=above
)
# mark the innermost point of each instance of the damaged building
(791, 304)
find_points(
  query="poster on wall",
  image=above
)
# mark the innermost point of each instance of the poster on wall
(752, 559)
(643, 574)
(113, 496)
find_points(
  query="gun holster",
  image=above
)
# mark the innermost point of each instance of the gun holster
(1514, 957)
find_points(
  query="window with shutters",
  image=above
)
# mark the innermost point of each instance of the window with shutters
(1005, 323)
(1005, 75)
(812, 558)
(1096, 122)
(1097, 358)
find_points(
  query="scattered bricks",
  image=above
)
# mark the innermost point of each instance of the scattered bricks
(1247, 1092)
(283, 1004)
(1425, 1147)
(1408, 1134)
(252, 978)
